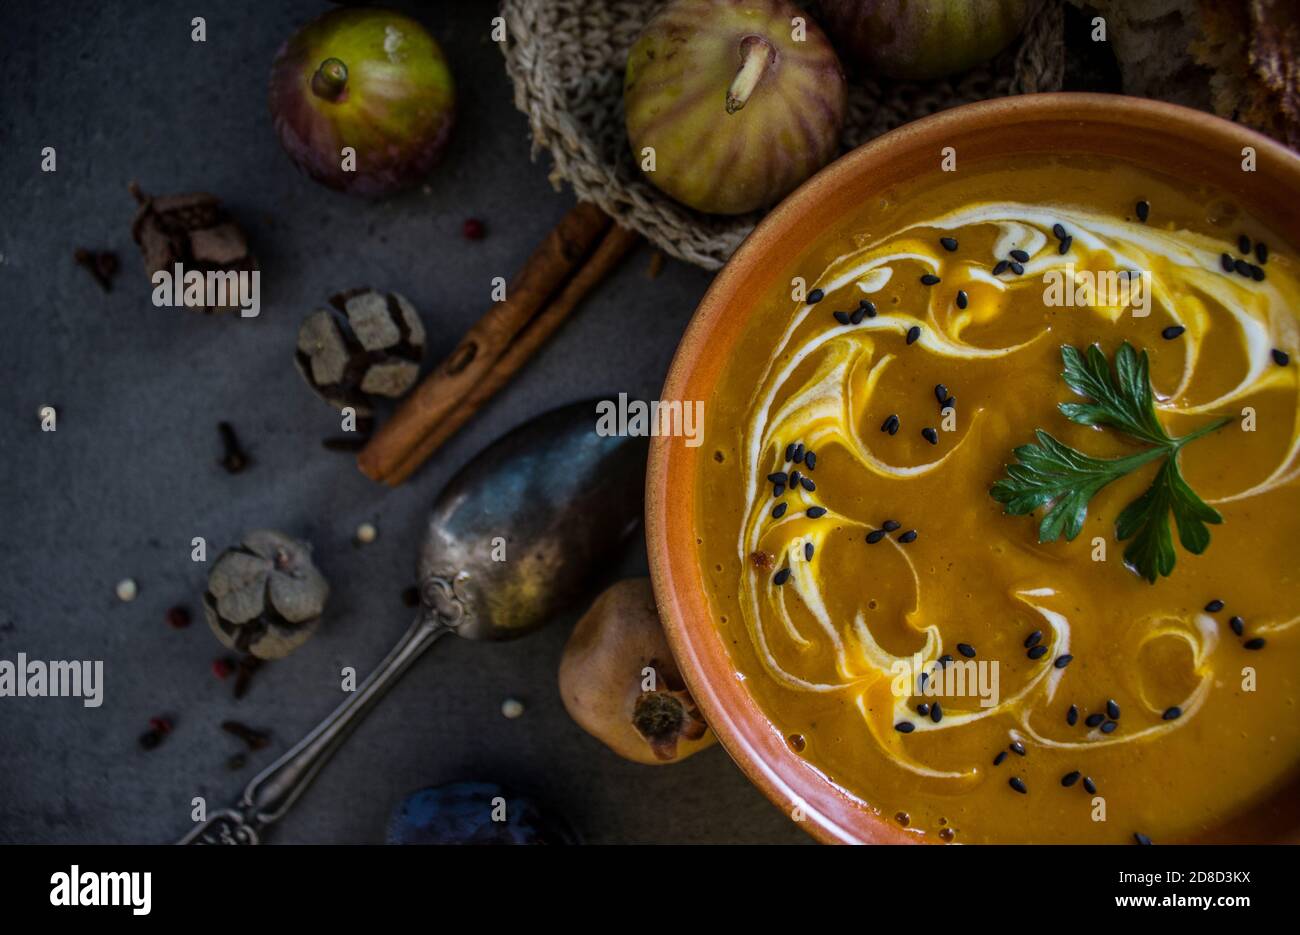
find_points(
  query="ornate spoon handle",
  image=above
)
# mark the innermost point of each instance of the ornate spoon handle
(276, 788)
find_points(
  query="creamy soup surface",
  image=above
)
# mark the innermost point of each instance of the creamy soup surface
(891, 583)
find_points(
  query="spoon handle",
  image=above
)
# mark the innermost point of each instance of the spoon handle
(277, 787)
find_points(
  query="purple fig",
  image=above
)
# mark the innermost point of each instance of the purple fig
(918, 40)
(372, 80)
(730, 105)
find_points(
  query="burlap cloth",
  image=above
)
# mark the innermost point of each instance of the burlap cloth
(567, 57)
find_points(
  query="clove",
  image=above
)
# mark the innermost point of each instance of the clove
(234, 459)
(254, 738)
(102, 264)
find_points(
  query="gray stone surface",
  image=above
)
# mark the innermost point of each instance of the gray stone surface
(131, 474)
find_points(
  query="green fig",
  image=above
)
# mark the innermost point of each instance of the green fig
(919, 40)
(730, 105)
(370, 80)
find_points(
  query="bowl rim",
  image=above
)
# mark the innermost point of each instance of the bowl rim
(826, 812)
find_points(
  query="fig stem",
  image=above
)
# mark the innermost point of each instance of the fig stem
(330, 79)
(756, 54)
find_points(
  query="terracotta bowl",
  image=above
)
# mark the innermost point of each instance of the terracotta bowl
(1176, 141)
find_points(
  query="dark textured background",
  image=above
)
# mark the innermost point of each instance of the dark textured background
(131, 475)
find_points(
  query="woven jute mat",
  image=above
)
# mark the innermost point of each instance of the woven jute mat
(567, 58)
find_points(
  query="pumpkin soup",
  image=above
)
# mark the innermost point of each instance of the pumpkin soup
(1000, 517)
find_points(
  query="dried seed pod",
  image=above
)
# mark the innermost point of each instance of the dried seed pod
(191, 229)
(366, 343)
(265, 596)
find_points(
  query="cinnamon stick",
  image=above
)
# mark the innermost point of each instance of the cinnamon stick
(615, 245)
(550, 265)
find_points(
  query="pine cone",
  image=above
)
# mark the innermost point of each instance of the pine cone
(366, 343)
(191, 229)
(265, 596)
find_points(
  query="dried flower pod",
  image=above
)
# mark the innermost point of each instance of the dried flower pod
(191, 229)
(265, 596)
(365, 344)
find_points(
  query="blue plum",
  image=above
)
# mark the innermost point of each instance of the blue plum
(474, 813)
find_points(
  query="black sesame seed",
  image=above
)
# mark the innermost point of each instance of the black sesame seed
(1225, 261)
(1112, 709)
(1017, 748)
(997, 760)
(904, 727)
(798, 455)
(842, 317)
(795, 477)
(869, 307)
(929, 279)
(777, 491)
(1058, 231)
(1214, 606)
(949, 243)
(816, 511)
(1143, 211)
(940, 392)
(923, 709)
(1033, 639)
(966, 649)
(925, 677)
(1064, 248)
(962, 299)
(807, 484)
(1281, 357)
(909, 536)
(944, 660)
(930, 435)
(890, 425)
(857, 316)
(1092, 720)
(1243, 244)
(1172, 714)
(1017, 268)
(778, 477)
(1015, 782)
(1020, 255)
(1109, 727)
(875, 536)
(1037, 652)
(1172, 332)
(1000, 267)
(807, 551)
(1256, 273)
(913, 333)
(1089, 785)
(890, 525)
(778, 511)
(789, 452)
(948, 403)
(1063, 661)
(781, 577)
(1070, 778)
(1256, 643)
(936, 712)
(1141, 838)
(1072, 716)
(1242, 267)
(816, 296)
(810, 460)
(1238, 625)
(1261, 252)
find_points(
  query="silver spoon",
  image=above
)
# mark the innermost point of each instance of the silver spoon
(562, 498)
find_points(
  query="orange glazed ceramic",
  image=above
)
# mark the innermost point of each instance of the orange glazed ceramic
(991, 534)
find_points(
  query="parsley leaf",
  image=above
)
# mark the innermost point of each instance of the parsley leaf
(1062, 479)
